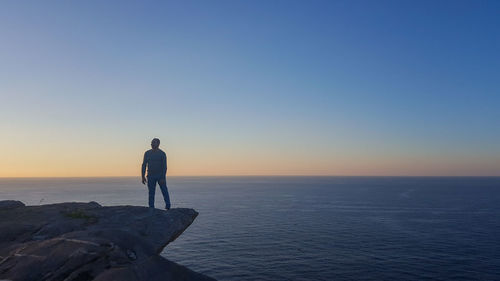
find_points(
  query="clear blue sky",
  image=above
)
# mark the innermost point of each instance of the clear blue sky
(251, 87)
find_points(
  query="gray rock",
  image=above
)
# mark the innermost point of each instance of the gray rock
(85, 241)
(9, 204)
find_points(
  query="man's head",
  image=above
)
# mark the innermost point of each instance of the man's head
(155, 143)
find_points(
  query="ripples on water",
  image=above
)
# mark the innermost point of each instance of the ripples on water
(314, 228)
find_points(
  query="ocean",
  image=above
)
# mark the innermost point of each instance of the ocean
(313, 228)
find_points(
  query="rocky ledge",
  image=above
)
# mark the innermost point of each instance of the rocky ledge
(86, 241)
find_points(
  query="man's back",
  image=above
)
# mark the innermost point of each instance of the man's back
(156, 161)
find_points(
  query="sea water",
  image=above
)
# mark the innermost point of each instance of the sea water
(313, 228)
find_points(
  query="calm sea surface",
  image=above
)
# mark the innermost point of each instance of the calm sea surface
(314, 228)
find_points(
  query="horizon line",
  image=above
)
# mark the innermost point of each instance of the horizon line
(257, 175)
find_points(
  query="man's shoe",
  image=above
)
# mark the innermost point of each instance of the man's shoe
(167, 208)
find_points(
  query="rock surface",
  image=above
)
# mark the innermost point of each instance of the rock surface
(9, 204)
(85, 241)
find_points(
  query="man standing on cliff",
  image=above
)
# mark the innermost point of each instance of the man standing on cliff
(156, 160)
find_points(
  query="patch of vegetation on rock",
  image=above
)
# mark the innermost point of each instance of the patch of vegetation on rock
(80, 214)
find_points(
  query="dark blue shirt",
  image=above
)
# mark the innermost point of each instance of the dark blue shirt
(156, 161)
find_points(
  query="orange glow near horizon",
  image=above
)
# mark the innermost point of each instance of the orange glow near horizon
(66, 162)
(89, 154)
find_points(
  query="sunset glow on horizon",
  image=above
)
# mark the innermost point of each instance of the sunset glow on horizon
(250, 88)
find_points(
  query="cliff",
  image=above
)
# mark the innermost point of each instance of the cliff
(86, 241)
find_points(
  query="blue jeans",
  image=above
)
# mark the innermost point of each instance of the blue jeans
(161, 180)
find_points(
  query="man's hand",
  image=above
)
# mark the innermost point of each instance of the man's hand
(144, 180)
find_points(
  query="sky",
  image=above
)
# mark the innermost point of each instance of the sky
(382, 88)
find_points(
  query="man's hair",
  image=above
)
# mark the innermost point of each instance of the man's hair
(156, 139)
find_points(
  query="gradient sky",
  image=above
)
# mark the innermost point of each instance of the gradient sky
(250, 87)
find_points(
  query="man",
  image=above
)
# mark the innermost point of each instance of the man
(156, 160)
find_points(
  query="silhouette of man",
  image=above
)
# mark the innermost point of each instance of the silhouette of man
(156, 161)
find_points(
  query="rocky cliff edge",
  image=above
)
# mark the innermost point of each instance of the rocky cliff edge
(86, 241)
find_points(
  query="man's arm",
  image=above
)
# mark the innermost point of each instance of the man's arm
(164, 164)
(143, 170)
